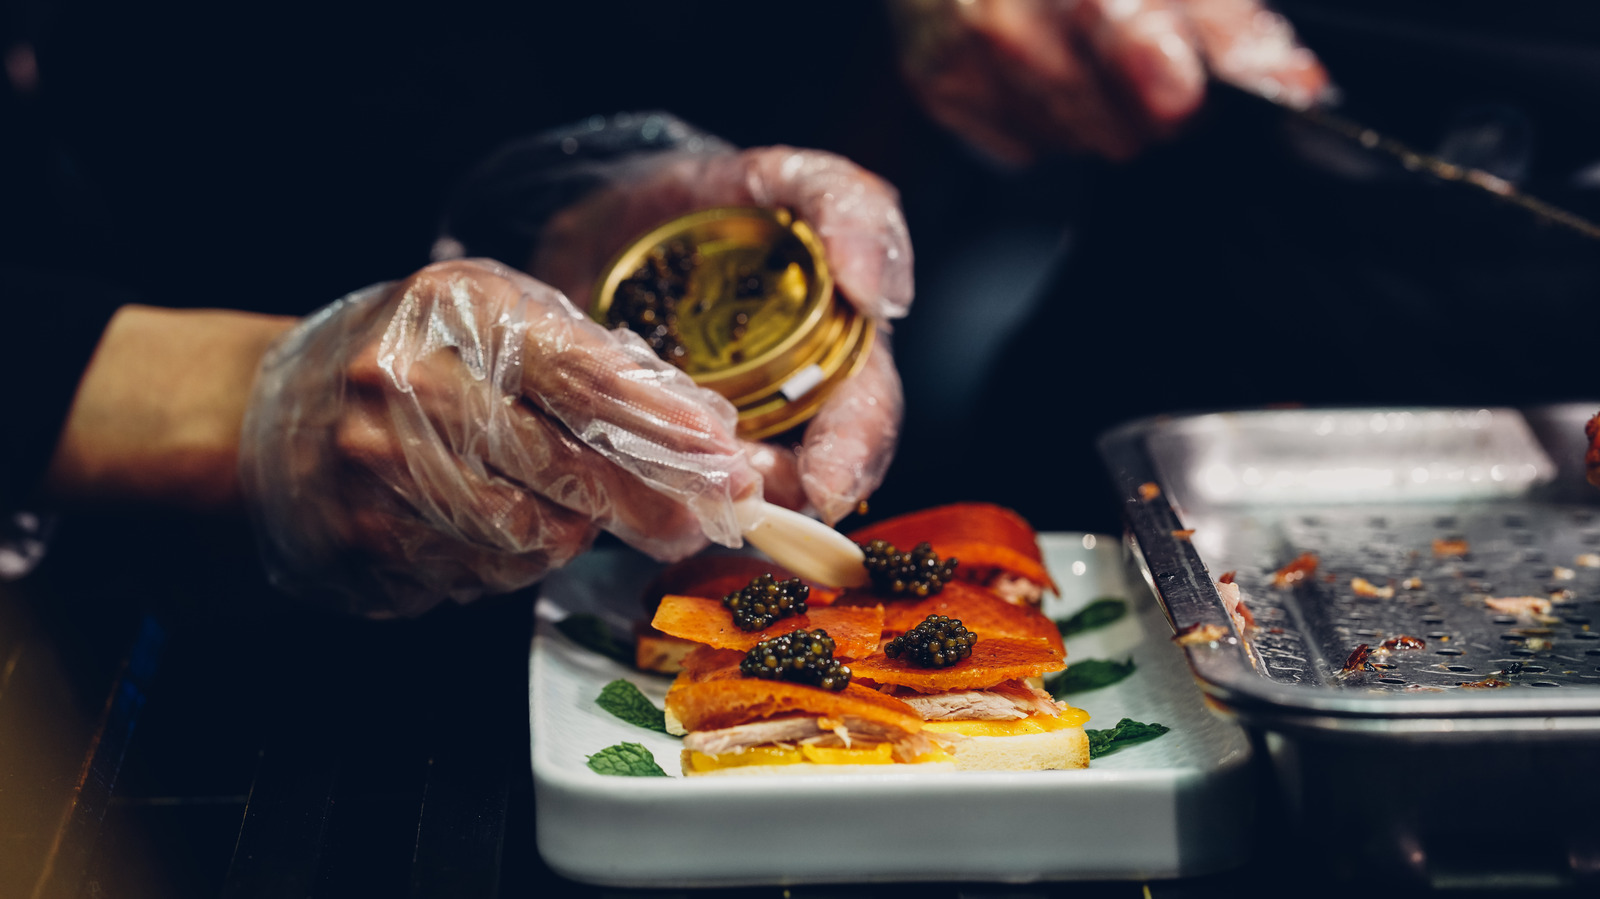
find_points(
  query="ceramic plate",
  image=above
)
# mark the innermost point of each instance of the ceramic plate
(1174, 806)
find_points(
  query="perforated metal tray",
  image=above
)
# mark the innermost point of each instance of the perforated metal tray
(1397, 746)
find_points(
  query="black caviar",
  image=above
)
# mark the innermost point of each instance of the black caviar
(647, 301)
(917, 573)
(766, 599)
(800, 656)
(938, 642)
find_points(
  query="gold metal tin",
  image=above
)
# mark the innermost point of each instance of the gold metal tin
(775, 354)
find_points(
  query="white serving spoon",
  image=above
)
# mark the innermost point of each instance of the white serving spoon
(801, 544)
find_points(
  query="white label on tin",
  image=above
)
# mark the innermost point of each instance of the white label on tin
(802, 382)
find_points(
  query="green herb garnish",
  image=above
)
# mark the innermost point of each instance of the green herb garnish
(1126, 733)
(625, 760)
(623, 699)
(592, 633)
(1099, 613)
(1090, 674)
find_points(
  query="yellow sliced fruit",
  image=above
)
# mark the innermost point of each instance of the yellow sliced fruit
(876, 754)
(873, 754)
(1033, 724)
(759, 755)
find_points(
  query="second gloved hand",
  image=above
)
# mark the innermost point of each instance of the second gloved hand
(1023, 78)
(563, 204)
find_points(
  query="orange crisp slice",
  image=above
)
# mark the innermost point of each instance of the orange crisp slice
(704, 663)
(981, 536)
(718, 575)
(993, 660)
(856, 630)
(979, 610)
(714, 704)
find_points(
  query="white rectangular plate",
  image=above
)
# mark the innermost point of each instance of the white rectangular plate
(1175, 806)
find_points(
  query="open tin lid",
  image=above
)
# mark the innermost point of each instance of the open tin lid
(1367, 492)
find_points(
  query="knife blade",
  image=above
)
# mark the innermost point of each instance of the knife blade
(1383, 147)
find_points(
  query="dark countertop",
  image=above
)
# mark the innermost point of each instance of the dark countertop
(189, 735)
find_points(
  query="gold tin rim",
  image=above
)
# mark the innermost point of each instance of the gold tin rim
(829, 333)
(773, 414)
(818, 291)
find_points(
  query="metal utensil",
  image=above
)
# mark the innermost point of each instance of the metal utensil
(1392, 152)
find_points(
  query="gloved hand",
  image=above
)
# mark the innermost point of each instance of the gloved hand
(1019, 78)
(466, 430)
(563, 204)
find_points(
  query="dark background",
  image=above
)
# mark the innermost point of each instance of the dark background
(275, 158)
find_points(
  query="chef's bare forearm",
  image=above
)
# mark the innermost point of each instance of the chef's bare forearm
(157, 413)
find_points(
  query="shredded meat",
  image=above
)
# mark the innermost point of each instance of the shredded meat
(1029, 696)
(817, 731)
(1017, 590)
(744, 736)
(1009, 701)
(972, 705)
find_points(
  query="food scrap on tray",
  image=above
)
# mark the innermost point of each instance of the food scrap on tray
(1363, 587)
(1301, 568)
(1233, 602)
(1199, 634)
(1530, 607)
(1360, 659)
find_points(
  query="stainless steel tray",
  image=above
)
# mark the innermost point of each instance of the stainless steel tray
(1406, 749)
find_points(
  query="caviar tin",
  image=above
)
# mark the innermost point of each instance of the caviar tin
(740, 298)
(1443, 657)
(1177, 805)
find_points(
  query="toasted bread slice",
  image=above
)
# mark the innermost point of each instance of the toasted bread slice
(658, 652)
(1048, 751)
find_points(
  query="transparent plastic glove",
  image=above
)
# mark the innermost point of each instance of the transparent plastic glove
(465, 431)
(1021, 78)
(563, 204)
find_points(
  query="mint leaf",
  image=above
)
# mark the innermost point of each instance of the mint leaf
(1090, 674)
(1099, 613)
(623, 699)
(1126, 733)
(625, 760)
(592, 634)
